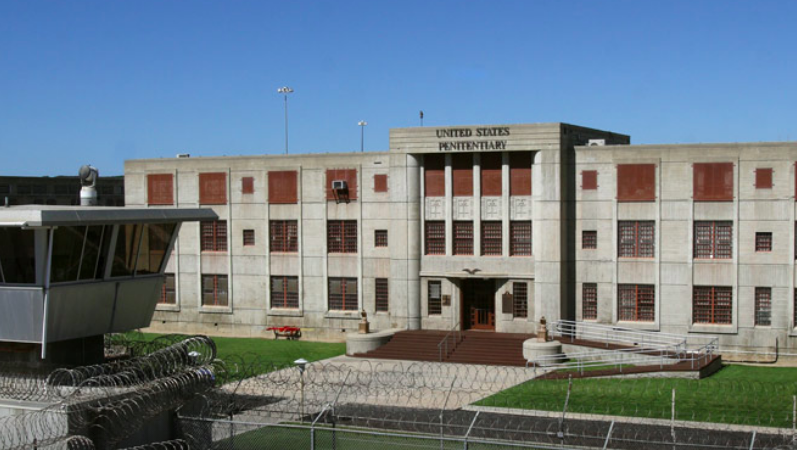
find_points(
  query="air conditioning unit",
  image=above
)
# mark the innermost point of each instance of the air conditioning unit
(596, 142)
(339, 185)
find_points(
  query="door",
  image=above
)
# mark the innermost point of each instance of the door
(478, 300)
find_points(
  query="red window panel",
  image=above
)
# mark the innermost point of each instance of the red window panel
(168, 291)
(347, 175)
(520, 238)
(283, 187)
(248, 185)
(520, 173)
(249, 238)
(214, 290)
(589, 301)
(380, 238)
(589, 179)
(435, 239)
(381, 295)
(213, 188)
(763, 306)
(462, 175)
(284, 236)
(713, 182)
(434, 175)
(342, 294)
(285, 292)
(636, 302)
(342, 236)
(763, 242)
(492, 242)
(763, 178)
(712, 305)
(520, 299)
(491, 174)
(160, 189)
(713, 240)
(636, 182)
(636, 239)
(589, 239)
(463, 238)
(214, 236)
(380, 183)
(435, 298)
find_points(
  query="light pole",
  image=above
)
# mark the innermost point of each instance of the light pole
(301, 363)
(285, 90)
(362, 125)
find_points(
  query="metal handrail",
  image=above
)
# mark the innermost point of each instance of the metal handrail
(613, 334)
(454, 332)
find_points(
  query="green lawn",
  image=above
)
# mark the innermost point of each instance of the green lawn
(736, 394)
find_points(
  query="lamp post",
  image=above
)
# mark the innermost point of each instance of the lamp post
(285, 90)
(362, 125)
(301, 363)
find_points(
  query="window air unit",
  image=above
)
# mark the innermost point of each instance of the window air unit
(596, 142)
(339, 185)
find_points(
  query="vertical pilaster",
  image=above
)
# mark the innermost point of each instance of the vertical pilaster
(505, 203)
(449, 205)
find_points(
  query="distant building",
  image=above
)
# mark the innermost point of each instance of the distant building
(60, 190)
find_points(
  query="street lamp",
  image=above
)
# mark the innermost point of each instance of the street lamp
(362, 125)
(301, 363)
(285, 90)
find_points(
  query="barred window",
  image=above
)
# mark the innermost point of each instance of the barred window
(381, 295)
(520, 299)
(343, 294)
(284, 236)
(168, 292)
(519, 238)
(249, 238)
(214, 236)
(712, 304)
(763, 306)
(637, 302)
(214, 290)
(463, 238)
(285, 292)
(636, 239)
(380, 238)
(491, 238)
(342, 236)
(763, 242)
(435, 238)
(589, 301)
(713, 240)
(435, 306)
(589, 239)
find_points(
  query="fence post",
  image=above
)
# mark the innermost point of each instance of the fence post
(472, 423)
(752, 440)
(560, 434)
(794, 418)
(672, 420)
(445, 403)
(608, 436)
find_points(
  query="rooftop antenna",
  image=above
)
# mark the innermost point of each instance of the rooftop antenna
(88, 179)
(421, 115)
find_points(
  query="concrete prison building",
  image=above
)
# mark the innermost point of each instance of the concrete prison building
(485, 227)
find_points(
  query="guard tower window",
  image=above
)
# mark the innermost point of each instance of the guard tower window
(17, 256)
(155, 242)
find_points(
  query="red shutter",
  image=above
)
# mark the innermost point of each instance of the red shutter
(763, 178)
(589, 179)
(282, 187)
(247, 185)
(380, 183)
(160, 189)
(520, 173)
(213, 188)
(434, 175)
(462, 174)
(713, 182)
(347, 175)
(491, 174)
(636, 182)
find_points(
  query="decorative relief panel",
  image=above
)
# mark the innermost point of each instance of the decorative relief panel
(520, 208)
(435, 208)
(463, 208)
(491, 208)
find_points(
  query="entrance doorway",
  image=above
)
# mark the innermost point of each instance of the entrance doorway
(478, 304)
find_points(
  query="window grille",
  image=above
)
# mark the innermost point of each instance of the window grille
(463, 238)
(636, 239)
(343, 294)
(381, 295)
(380, 183)
(342, 236)
(589, 239)
(712, 305)
(380, 238)
(168, 292)
(214, 290)
(213, 188)
(284, 236)
(589, 180)
(247, 185)
(589, 301)
(491, 238)
(214, 236)
(763, 178)
(520, 238)
(435, 306)
(435, 238)
(520, 299)
(763, 242)
(713, 240)
(160, 189)
(285, 292)
(249, 238)
(637, 302)
(763, 306)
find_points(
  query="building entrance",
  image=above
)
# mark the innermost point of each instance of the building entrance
(478, 305)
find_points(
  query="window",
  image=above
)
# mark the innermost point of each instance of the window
(463, 238)
(589, 179)
(713, 182)
(712, 305)
(434, 178)
(636, 239)
(380, 183)
(519, 238)
(713, 240)
(17, 256)
(343, 294)
(342, 236)
(491, 238)
(23, 189)
(126, 251)
(249, 238)
(491, 174)
(763, 178)
(763, 242)
(637, 302)
(247, 185)
(520, 299)
(347, 175)
(380, 238)
(282, 187)
(589, 301)
(589, 239)
(435, 237)
(284, 236)
(381, 295)
(636, 182)
(214, 290)
(168, 292)
(213, 188)
(160, 189)
(214, 236)
(435, 306)
(155, 241)
(462, 175)
(285, 292)
(520, 173)
(763, 306)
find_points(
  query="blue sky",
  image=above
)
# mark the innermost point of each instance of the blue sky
(103, 81)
